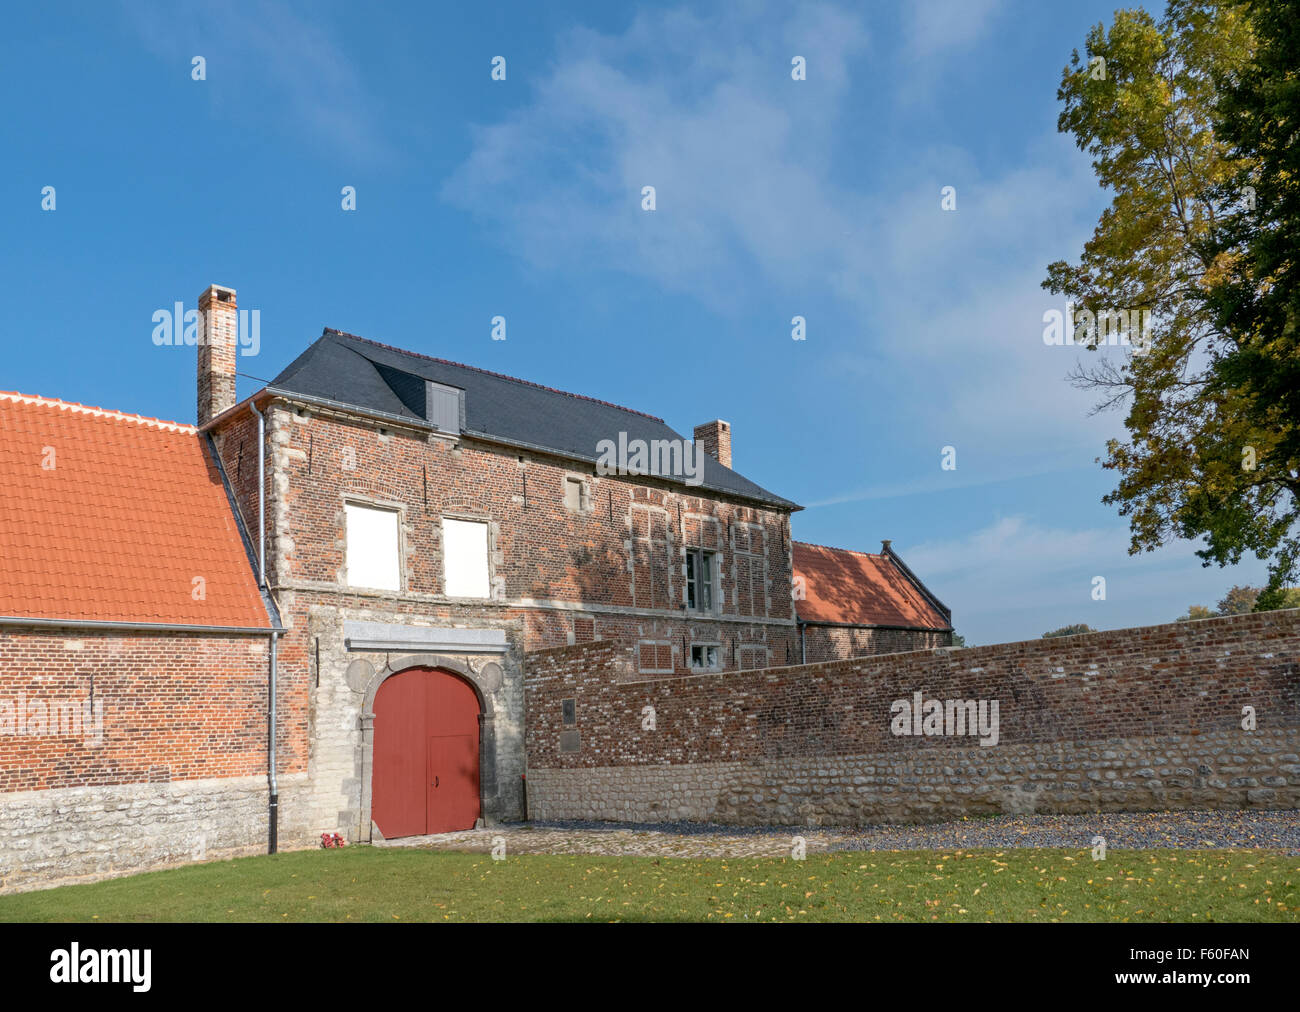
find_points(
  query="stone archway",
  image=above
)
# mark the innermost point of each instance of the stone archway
(487, 734)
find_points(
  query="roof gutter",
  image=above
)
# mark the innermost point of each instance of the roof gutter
(86, 623)
(783, 504)
(420, 425)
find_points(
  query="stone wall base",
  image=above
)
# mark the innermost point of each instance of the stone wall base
(56, 837)
(1219, 770)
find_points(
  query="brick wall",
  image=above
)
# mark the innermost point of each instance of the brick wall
(174, 706)
(166, 761)
(613, 569)
(1133, 718)
(617, 564)
(833, 643)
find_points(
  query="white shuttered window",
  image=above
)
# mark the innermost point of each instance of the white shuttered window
(373, 556)
(465, 558)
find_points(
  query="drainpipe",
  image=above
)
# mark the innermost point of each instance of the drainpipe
(273, 810)
(273, 814)
(803, 646)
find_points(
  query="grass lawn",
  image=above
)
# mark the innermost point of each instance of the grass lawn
(391, 885)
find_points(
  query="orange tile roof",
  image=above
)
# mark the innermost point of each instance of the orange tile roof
(131, 511)
(855, 588)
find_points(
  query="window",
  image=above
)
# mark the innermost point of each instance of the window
(699, 580)
(651, 558)
(704, 656)
(575, 495)
(465, 558)
(373, 559)
(656, 657)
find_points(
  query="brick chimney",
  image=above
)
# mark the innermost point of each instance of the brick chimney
(716, 437)
(218, 346)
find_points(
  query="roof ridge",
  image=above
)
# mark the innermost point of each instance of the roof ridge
(851, 551)
(489, 372)
(90, 409)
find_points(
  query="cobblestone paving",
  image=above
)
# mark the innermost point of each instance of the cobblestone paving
(1278, 830)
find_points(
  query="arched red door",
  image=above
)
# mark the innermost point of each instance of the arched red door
(425, 772)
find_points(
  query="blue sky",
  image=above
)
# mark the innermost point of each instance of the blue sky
(522, 198)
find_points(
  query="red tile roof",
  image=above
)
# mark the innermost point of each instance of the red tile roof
(854, 588)
(116, 530)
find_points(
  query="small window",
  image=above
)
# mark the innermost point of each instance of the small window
(655, 657)
(569, 711)
(699, 580)
(573, 494)
(577, 495)
(465, 558)
(704, 656)
(373, 559)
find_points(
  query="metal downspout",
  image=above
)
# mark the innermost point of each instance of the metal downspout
(273, 810)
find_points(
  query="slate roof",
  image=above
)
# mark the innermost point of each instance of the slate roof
(844, 587)
(359, 372)
(130, 512)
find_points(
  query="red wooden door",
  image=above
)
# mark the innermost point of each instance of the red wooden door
(426, 747)
(397, 785)
(453, 783)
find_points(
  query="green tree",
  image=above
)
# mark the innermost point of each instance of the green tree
(1282, 597)
(958, 640)
(1068, 630)
(1194, 612)
(1254, 290)
(1142, 105)
(1289, 598)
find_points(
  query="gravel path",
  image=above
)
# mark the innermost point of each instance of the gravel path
(1275, 830)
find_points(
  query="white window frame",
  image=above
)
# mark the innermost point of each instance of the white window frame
(369, 544)
(450, 546)
(706, 647)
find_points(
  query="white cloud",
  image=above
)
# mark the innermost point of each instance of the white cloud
(751, 203)
(705, 111)
(1017, 578)
(1015, 544)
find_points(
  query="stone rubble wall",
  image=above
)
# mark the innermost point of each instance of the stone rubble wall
(1220, 770)
(55, 837)
(1129, 720)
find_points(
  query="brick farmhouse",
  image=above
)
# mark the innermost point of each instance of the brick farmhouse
(310, 612)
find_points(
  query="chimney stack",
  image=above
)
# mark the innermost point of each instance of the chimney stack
(716, 437)
(218, 346)
(884, 547)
